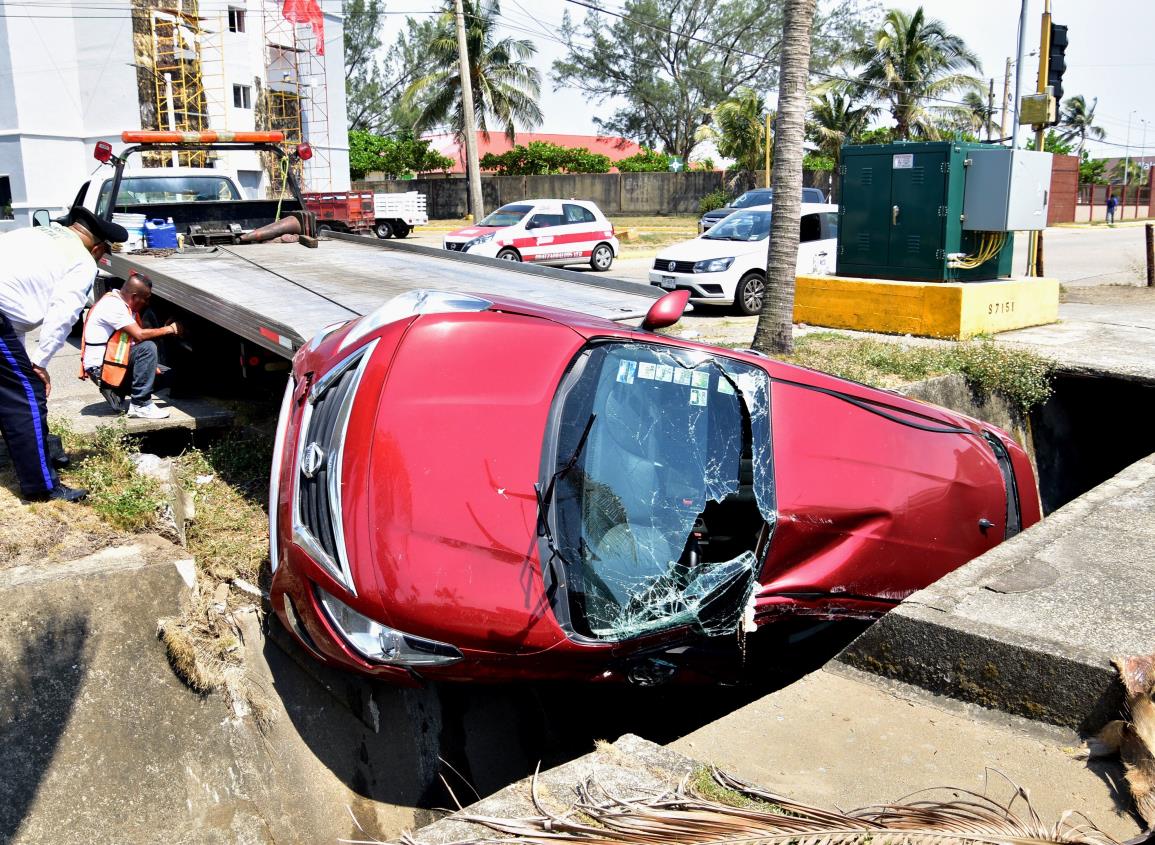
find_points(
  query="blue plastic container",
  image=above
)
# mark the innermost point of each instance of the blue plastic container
(159, 234)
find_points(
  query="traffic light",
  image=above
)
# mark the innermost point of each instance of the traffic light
(1057, 61)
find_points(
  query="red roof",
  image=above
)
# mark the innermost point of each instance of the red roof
(615, 148)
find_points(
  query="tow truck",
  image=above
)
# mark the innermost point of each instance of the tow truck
(273, 297)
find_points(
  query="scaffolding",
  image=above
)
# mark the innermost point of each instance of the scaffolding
(178, 84)
(296, 99)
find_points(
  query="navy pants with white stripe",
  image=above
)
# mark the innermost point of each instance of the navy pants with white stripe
(24, 415)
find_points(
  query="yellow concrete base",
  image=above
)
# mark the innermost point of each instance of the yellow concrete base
(952, 310)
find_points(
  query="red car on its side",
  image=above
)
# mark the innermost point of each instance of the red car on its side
(470, 488)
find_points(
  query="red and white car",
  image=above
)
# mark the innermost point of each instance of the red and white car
(554, 232)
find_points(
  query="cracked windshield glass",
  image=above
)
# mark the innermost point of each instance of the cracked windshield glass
(661, 491)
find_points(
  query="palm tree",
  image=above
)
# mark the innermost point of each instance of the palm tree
(836, 119)
(738, 129)
(910, 62)
(776, 318)
(505, 86)
(1078, 121)
(978, 114)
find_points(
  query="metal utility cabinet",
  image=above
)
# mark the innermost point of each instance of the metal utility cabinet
(937, 211)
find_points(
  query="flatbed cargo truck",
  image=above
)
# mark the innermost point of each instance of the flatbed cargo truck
(274, 296)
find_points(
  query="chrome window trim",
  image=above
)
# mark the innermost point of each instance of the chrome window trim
(275, 473)
(339, 568)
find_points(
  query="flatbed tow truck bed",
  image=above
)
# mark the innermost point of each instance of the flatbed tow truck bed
(279, 295)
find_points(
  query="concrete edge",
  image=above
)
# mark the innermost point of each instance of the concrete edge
(923, 643)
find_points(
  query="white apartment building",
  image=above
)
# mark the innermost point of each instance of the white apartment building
(74, 72)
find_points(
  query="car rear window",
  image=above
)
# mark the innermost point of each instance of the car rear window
(578, 214)
(148, 190)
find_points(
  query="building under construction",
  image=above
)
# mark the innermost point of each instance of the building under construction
(73, 73)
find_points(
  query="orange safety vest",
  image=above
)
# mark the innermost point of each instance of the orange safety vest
(117, 351)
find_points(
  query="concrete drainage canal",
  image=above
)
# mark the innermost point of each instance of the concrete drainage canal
(100, 736)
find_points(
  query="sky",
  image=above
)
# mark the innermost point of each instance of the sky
(1110, 55)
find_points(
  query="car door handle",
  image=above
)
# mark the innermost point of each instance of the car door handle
(894, 216)
(822, 254)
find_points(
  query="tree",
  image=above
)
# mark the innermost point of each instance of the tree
(1128, 171)
(776, 320)
(837, 119)
(505, 85)
(1092, 170)
(392, 156)
(671, 61)
(1077, 120)
(542, 157)
(373, 87)
(647, 161)
(738, 129)
(978, 114)
(911, 61)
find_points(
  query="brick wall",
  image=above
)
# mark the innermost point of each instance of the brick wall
(1064, 189)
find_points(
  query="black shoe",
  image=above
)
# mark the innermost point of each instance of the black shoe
(62, 493)
(114, 400)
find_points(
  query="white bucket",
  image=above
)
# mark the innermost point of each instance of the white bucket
(134, 225)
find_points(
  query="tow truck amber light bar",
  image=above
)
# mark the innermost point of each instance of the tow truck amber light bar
(205, 137)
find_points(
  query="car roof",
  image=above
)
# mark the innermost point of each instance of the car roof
(535, 202)
(807, 207)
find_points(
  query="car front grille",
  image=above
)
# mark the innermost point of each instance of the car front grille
(317, 512)
(663, 265)
(456, 247)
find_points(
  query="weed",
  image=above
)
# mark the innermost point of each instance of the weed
(116, 491)
(1019, 375)
(703, 784)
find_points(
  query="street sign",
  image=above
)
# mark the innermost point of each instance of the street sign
(677, 164)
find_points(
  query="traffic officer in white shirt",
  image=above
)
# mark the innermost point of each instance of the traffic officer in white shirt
(46, 274)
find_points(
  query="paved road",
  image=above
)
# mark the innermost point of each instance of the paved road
(1075, 256)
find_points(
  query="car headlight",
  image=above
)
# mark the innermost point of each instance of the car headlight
(480, 239)
(320, 336)
(380, 643)
(713, 265)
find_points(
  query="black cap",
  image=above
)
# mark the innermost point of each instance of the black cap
(103, 230)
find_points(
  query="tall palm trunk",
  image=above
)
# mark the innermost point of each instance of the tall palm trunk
(775, 322)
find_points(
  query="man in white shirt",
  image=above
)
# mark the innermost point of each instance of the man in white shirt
(117, 310)
(45, 276)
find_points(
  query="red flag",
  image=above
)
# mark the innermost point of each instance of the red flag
(307, 11)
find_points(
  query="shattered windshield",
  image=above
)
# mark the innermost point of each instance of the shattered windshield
(662, 492)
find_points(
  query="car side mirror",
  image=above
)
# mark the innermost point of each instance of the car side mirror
(666, 311)
(41, 217)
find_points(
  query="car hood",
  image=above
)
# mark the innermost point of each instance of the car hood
(471, 232)
(443, 536)
(719, 213)
(700, 249)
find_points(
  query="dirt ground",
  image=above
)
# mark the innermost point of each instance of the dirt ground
(1110, 295)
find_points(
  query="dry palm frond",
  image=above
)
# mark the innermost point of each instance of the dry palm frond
(1133, 739)
(597, 818)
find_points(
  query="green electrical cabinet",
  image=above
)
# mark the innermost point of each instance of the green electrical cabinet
(901, 214)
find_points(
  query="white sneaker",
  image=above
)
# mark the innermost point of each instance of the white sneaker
(147, 412)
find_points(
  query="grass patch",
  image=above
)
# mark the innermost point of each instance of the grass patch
(229, 541)
(1020, 376)
(116, 491)
(703, 784)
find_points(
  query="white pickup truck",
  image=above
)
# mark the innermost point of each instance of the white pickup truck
(396, 215)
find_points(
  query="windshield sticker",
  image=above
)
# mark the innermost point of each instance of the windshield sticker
(626, 371)
(663, 502)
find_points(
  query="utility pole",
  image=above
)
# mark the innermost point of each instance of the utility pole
(990, 115)
(1127, 157)
(1035, 243)
(1006, 97)
(476, 206)
(1019, 72)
